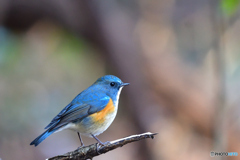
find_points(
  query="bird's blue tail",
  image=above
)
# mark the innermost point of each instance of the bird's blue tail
(43, 136)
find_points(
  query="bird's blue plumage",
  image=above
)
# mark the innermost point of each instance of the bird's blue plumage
(76, 115)
(86, 102)
(40, 138)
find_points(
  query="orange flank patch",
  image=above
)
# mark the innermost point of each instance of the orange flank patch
(99, 117)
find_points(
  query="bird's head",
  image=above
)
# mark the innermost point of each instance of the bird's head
(111, 85)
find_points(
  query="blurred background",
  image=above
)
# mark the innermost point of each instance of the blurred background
(180, 56)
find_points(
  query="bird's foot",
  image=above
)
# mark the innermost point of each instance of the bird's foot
(81, 146)
(104, 144)
(99, 145)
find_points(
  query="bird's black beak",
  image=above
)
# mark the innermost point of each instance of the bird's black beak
(124, 84)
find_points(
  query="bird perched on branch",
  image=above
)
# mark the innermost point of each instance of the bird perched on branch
(90, 113)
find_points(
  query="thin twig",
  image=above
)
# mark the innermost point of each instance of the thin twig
(88, 152)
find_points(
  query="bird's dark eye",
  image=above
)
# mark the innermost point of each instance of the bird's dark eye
(112, 84)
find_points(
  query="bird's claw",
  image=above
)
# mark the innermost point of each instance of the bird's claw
(105, 143)
(99, 145)
(80, 147)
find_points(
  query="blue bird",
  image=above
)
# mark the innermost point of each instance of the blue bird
(90, 113)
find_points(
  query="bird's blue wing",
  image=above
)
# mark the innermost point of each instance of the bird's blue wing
(79, 108)
(56, 119)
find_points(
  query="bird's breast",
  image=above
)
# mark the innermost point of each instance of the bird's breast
(98, 122)
(103, 115)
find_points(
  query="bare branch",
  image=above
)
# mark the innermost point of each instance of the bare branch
(88, 152)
